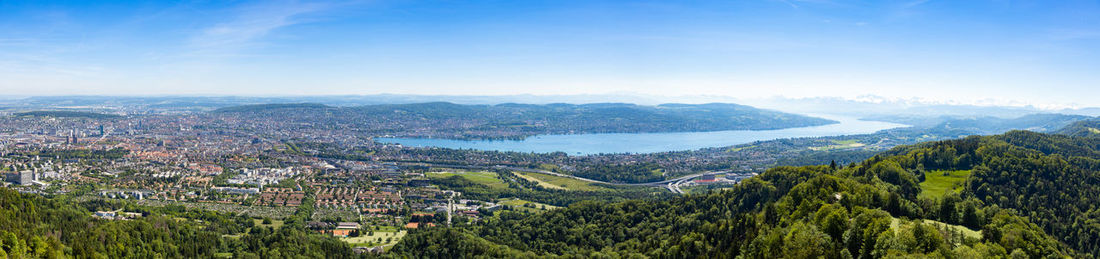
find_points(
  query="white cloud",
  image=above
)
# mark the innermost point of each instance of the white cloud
(252, 23)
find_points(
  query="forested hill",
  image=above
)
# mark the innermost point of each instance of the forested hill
(1085, 128)
(440, 119)
(33, 226)
(1020, 194)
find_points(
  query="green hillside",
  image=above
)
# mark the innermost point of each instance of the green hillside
(32, 226)
(1085, 128)
(1027, 194)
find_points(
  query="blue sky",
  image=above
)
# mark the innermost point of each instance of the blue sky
(1035, 52)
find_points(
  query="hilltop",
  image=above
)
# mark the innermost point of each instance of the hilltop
(1085, 128)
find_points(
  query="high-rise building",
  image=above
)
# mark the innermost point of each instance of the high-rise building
(71, 140)
(26, 177)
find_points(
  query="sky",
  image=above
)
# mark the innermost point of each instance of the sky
(994, 52)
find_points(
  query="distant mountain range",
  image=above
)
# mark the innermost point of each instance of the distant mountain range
(816, 105)
(986, 125)
(881, 106)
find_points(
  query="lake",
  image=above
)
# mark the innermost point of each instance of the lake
(587, 144)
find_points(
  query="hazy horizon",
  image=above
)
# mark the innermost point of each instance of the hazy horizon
(624, 97)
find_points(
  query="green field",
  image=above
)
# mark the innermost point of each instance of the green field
(377, 239)
(735, 149)
(1094, 130)
(275, 223)
(964, 230)
(518, 204)
(840, 144)
(557, 182)
(896, 223)
(481, 177)
(936, 184)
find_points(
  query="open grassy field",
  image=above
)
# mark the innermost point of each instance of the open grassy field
(518, 204)
(481, 177)
(275, 223)
(735, 149)
(840, 144)
(557, 182)
(896, 223)
(378, 238)
(938, 183)
(977, 234)
(542, 183)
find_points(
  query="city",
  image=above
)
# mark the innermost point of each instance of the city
(549, 129)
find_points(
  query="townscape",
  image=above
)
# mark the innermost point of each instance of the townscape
(266, 169)
(366, 193)
(549, 129)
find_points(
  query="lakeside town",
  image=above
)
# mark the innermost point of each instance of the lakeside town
(610, 129)
(266, 169)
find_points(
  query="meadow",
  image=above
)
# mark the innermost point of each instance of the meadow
(558, 182)
(488, 178)
(937, 183)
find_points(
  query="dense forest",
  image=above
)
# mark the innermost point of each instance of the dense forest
(449, 120)
(1025, 195)
(33, 226)
(1085, 128)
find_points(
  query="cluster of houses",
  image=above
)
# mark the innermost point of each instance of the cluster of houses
(345, 197)
(281, 197)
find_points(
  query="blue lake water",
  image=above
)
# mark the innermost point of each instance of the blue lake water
(586, 144)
